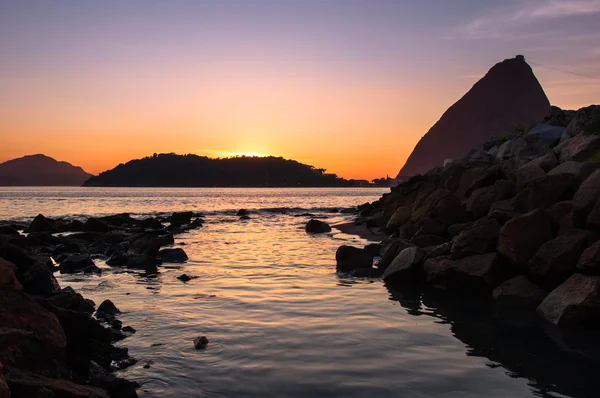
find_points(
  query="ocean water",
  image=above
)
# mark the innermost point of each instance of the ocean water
(282, 323)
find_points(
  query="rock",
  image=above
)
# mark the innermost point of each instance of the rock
(489, 177)
(69, 247)
(441, 207)
(547, 162)
(518, 294)
(557, 258)
(185, 277)
(200, 343)
(593, 219)
(181, 218)
(550, 189)
(26, 384)
(559, 117)
(242, 212)
(119, 220)
(546, 134)
(41, 224)
(437, 270)
(480, 201)
(66, 299)
(478, 274)
(586, 197)
(527, 174)
(481, 238)
(404, 267)
(124, 363)
(116, 387)
(129, 329)
(117, 259)
(439, 250)
(589, 262)
(8, 280)
(152, 223)
(424, 240)
(244, 218)
(142, 262)
(94, 225)
(586, 121)
(176, 255)
(86, 306)
(521, 237)
(149, 244)
(510, 149)
(107, 307)
(578, 148)
(38, 280)
(569, 167)
(401, 216)
(76, 263)
(349, 258)
(575, 303)
(374, 249)
(4, 391)
(316, 226)
(468, 178)
(390, 250)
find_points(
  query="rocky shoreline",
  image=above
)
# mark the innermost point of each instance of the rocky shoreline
(53, 341)
(516, 221)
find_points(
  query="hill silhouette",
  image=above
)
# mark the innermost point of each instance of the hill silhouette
(507, 96)
(41, 170)
(171, 170)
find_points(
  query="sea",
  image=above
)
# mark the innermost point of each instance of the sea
(282, 323)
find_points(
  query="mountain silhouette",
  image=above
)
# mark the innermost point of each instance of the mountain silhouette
(171, 170)
(507, 96)
(41, 170)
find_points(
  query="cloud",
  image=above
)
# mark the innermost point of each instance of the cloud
(558, 8)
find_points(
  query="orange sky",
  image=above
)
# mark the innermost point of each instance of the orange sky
(351, 92)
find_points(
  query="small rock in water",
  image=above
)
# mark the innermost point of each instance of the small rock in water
(242, 212)
(107, 307)
(244, 217)
(128, 329)
(316, 226)
(185, 277)
(200, 342)
(124, 363)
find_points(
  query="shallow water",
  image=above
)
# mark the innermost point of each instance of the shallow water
(281, 322)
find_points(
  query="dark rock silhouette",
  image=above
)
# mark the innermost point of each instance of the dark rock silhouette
(171, 170)
(507, 96)
(41, 170)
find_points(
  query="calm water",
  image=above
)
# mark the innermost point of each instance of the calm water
(281, 322)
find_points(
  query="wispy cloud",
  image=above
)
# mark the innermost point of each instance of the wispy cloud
(558, 8)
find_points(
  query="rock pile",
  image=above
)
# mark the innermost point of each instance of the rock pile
(517, 220)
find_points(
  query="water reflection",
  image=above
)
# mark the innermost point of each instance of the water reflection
(554, 362)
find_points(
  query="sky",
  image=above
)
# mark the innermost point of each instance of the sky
(348, 85)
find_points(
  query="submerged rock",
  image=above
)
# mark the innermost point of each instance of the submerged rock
(317, 227)
(175, 255)
(200, 342)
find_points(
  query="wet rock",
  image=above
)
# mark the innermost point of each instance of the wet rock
(478, 274)
(152, 223)
(69, 247)
(575, 303)
(176, 255)
(77, 263)
(586, 197)
(108, 307)
(349, 258)
(589, 262)
(116, 386)
(557, 258)
(98, 247)
(181, 218)
(481, 238)
(518, 294)
(119, 220)
(38, 280)
(404, 268)
(578, 148)
(129, 329)
(66, 299)
(124, 363)
(437, 270)
(86, 306)
(373, 248)
(244, 218)
(389, 250)
(200, 343)
(521, 237)
(186, 277)
(149, 244)
(117, 259)
(41, 224)
(316, 226)
(242, 212)
(142, 262)
(8, 280)
(94, 225)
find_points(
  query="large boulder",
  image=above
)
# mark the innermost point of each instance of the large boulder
(478, 274)
(402, 215)
(480, 201)
(404, 268)
(559, 117)
(589, 262)
(349, 258)
(547, 161)
(556, 259)
(593, 219)
(518, 294)
(149, 244)
(586, 121)
(575, 303)
(521, 237)
(550, 189)
(586, 197)
(546, 134)
(317, 227)
(569, 167)
(32, 272)
(175, 255)
(94, 225)
(181, 218)
(436, 271)
(481, 238)
(28, 384)
(77, 263)
(8, 280)
(41, 224)
(389, 250)
(579, 148)
(527, 174)
(441, 207)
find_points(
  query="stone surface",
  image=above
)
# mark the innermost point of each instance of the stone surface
(586, 121)
(349, 258)
(527, 174)
(546, 134)
(481, 238)
(317, 227)
(521, 237)
(589, 262)
(181, 218)
(8, 280)
(402, 215)
(76, 263)
(200, 342)
(404, 267)
(175, 255)
(518, 294)
(551, 189)
(586, 197)
(578, 148)
(575, 303)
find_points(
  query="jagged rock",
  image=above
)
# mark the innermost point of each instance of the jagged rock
(481, 238)
(437, 270)
(38, 280)
(551, 189)
(510, 149)
(527, 174)
(28, 384)
(480, 201)
(94, 225)
(349, 258)
(586, 197)
(401, 216)
(488, 178)
(66, 299)
(181, 218)
(455, 229)
(107, 307)
(559, 210)
(593, 219)
(117, 259)
(76, 263)
(404, 267)
(569, 168)
(149, 245)
(390, 250)
(317, 227)
(575, 303)
(589, 262)
(424, 240)
(152, 223)
(518, 294)
(557, 258)
(546, 134)
(41, 224)
(547, 162)
(521, 237)
(559, 117)
(442, 207)
(439, 250)
(176, 255)
(8, 280)
(468, 178)
(578, 148)
(586, 121)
